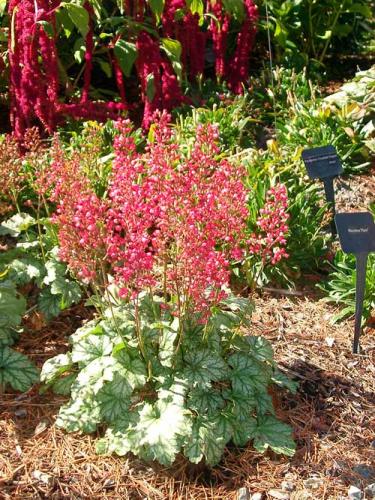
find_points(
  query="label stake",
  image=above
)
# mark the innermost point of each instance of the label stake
(323, 163)
(357, 236)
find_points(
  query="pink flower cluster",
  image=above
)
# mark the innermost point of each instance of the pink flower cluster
(79, 216)
(171, 220)
(174, 220)
(270, 241)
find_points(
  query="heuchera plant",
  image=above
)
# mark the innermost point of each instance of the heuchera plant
(167, 365)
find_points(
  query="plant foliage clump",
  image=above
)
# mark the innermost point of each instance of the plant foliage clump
(167, 399)
(165, 365)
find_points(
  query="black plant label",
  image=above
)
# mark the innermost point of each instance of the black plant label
(322, 162)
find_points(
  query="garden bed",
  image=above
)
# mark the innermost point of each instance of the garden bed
(332, 416)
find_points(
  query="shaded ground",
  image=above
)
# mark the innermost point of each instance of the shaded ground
(332, 415)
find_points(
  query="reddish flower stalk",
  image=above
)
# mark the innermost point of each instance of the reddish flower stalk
(270, 241)
(238, 69)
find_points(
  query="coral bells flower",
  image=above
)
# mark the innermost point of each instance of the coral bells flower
(270, 241)
(175, 220)
(80, 215)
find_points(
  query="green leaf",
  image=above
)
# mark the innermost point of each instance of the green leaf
(244, 430)
(196, 7)
(264, 403)
(93, 376)
(54, 270)
(157, 7)
(2, 7)
(69, 292)
(17, 224)
(205, 400)
(16, 370)
(126, 54)
(25, 269)
(161, 427)
(114, 398)
(80, 414)
(248, 376)
(235, 8)
(55, 366)
(91, 347)
(150, 87)
(63, 385)
(78, 15)
(49, 304)
(173, 50)
(131, 367)
(12, 308)
(47, 27)
(279, 378)
(271, 433)
(203, 367)
(208, 439)
(121, 440)
(260, 348)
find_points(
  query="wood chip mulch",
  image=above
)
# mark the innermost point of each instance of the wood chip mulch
(333, 417)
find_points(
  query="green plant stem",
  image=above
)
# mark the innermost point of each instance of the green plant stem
(139, 330)
(328, 41)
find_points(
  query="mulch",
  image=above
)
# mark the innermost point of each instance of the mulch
(332, 414)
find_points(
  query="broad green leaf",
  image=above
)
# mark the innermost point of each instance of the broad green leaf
(80, 414)
(131, 367)
(157, 7)
(121, 440)
(203, 366)
(93, 376)
(54, 367)
(126, 54)
(91, 347)
(264, 403)
(244, 430)
(161, 427)
(64, 21)
(205, 400)
(49, 304)
(235, 8)
(79, 50)
(271, 433)
(106, 68)
(54, 270)
(208, 439)
(16, 225)
(78, 15)
(248, 375)
(260, 348)
(16, 370)
(12, 308)
(173, 50)
(114, 398)
(63, 385)
(68, 290)
(239, 404)
(196, 7)
(25, 269)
